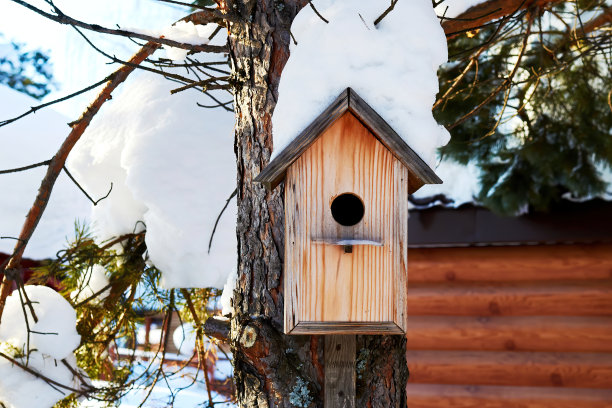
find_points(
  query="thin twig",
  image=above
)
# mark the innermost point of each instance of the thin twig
(384, 14)
(34, 109)
(207, 85)
(317, 13)
(94, 202)
(219, 217)
(24, 168)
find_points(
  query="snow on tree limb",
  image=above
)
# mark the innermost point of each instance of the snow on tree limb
(58, 162)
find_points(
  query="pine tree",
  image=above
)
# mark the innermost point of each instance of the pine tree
(529, 101)
(26, 71)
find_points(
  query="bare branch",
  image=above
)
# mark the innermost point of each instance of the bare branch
(384, 14)
(94, 202)
(64, 19)
(34, 109)
(217, 328)
(317, 13)
(24, 168)
(507, 82)
(482, 14)
(219, 217)
(207, 85)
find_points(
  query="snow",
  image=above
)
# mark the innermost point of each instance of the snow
(20, 389)
(53, 334)
(172, 166)
(461, 183)
(390, 66)
(92, 281)
(53, 337)
(181, 31)
(228, 294)
(33, 139)
(454, 8)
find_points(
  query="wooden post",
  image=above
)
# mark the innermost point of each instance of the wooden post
(340, 354)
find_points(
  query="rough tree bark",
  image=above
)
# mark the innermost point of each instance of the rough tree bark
(272, 369)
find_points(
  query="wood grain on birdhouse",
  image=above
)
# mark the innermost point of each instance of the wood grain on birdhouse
(346, 211)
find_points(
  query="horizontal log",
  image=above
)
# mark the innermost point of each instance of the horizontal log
(467, 396)
(541, 262)
(520, 333)
(579, 370)
(567, 298)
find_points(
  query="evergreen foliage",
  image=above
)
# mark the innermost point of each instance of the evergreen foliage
(26, 71)
(544, 125)
(109, 324)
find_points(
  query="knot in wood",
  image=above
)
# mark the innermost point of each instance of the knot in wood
(249, 335)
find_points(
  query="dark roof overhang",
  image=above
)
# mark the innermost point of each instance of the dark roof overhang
(567, 223)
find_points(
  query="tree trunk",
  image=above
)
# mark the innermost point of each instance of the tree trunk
(270, 368)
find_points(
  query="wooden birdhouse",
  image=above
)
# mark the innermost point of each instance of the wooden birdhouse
(347, 179)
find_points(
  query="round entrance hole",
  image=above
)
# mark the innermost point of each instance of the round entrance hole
(347, 209)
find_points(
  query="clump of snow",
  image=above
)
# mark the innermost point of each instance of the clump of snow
(55, 332)
(184, 339)
(453, 8)
(228, 294)
(34, 139)
(605, 172)
(392, 66)
(172, 167)
(52, 338)
(92, 281)
(461, 183)
(188, 33)
(20, 389)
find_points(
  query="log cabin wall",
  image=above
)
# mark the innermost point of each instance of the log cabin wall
(511, 326)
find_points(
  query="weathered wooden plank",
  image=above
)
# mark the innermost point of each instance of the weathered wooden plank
(570, 298)
(522, 333)
(274, 173)
(323, 281)
(340, 369)
(470, 396)
(420, 172)
(535, 262)
(310, 328)
(534, 369)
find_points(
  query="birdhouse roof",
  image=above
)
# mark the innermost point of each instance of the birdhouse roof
(349, 101)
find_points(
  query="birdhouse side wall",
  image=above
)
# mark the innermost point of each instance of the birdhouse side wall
(328, 290)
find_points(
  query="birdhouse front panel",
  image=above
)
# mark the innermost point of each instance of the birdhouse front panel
(346, 234)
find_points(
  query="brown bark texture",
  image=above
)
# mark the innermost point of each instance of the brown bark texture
(272, 369)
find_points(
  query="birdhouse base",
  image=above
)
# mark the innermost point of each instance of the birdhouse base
(310, 328)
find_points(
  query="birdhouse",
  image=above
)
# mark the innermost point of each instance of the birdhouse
(347, 179)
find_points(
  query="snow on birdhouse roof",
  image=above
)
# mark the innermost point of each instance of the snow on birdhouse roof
(350, 101)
